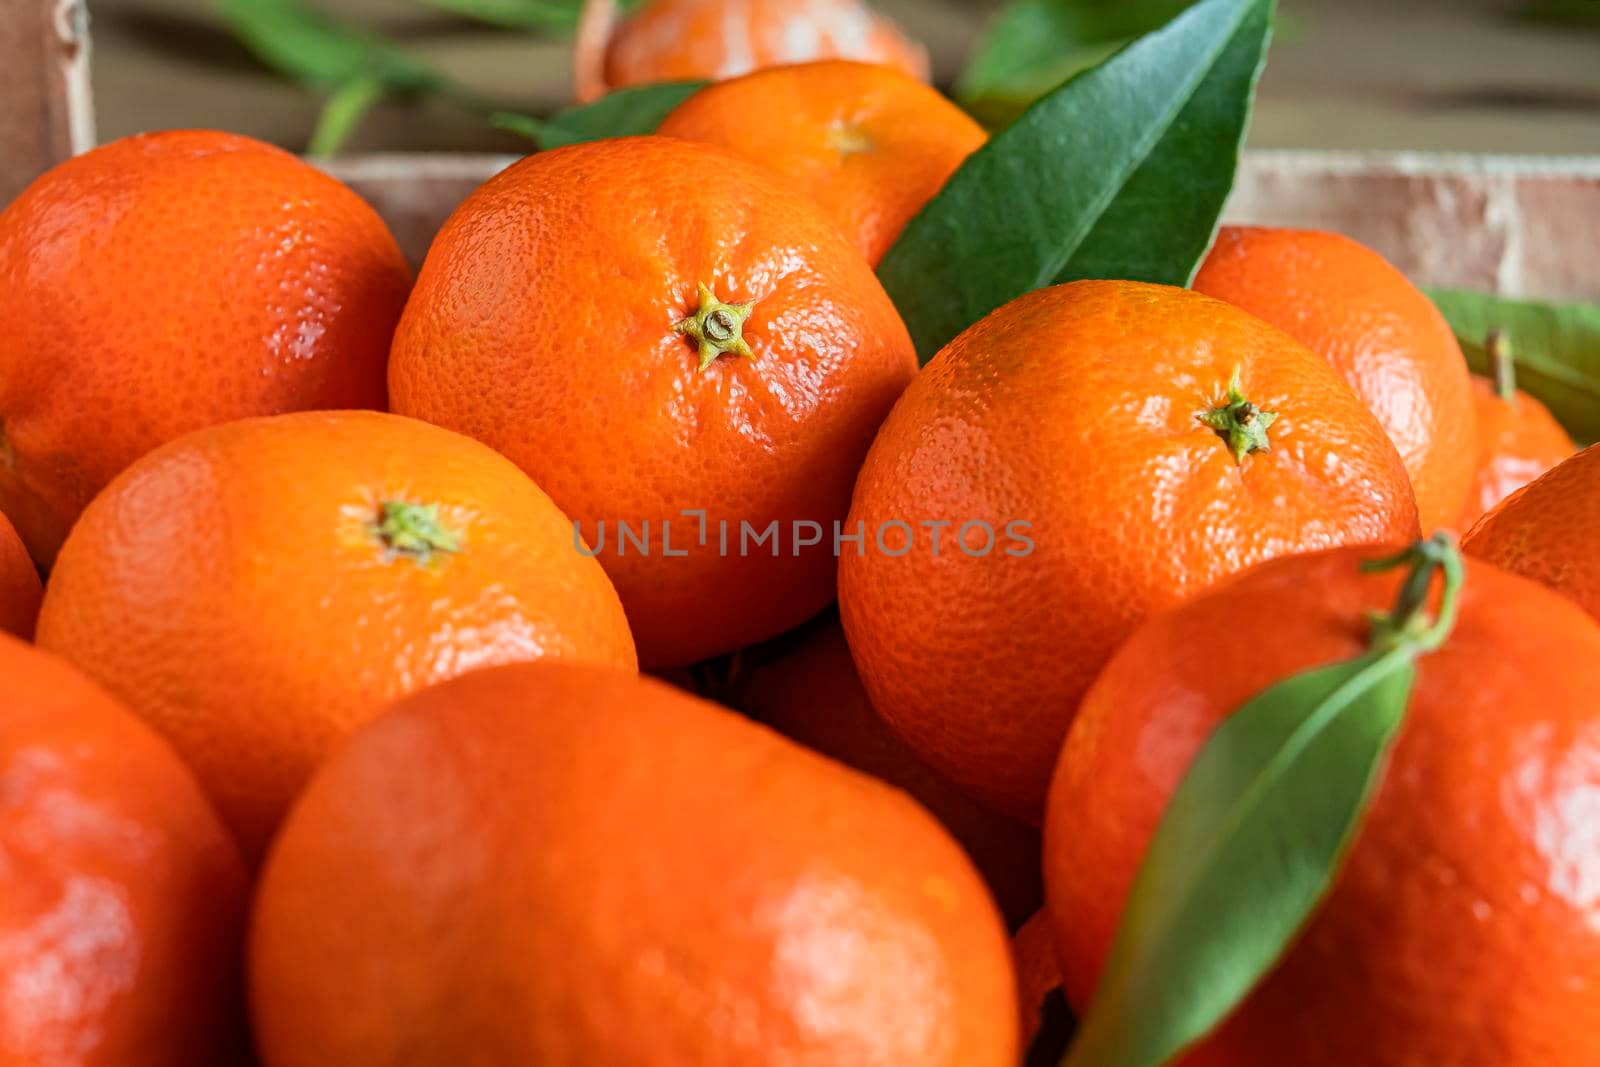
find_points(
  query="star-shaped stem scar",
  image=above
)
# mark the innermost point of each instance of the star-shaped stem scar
(717, 328)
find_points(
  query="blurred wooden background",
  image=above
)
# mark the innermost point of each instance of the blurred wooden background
(1453, 75)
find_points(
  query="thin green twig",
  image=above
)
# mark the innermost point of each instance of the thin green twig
(342, 113)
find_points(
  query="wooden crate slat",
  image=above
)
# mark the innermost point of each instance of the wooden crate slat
(1521, 226)
(1516, 225)
(46, 113)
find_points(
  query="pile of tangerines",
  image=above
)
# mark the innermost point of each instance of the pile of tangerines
(333, 746)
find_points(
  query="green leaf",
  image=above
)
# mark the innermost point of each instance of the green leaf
(1248, 847)
(342, 114)
(1556, 349)
(322, 52)
(1583, 14)
(521, 125)
(623, 113)
(1032, 46)
(1120, 173)
(539, 16)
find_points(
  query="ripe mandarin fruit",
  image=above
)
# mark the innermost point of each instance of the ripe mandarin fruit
(1464, 927)
(1037, 973)
(811, 694)
(868, 143)
(688, 40)
(20, 590)
(171, 281)
(1549, 530)
(568, 867)
(1518, 438)
(122, 898)
(258, 589)
(1091, 466)
(648, 326)
(1350, 306)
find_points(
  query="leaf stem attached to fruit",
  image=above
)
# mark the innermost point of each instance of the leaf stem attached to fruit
(1409, 622)
(1501, 363)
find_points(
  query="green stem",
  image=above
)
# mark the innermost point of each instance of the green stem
(342, 113)
(1498, 348)
(1409, 624)
(414, 530)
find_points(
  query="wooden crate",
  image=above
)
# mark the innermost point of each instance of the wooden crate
(1520, 226)
(45, 110)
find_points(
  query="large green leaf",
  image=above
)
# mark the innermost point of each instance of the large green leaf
(1120, 173)
(1556, 349)
(320, 51)
(1248, 846)
(1032, 46)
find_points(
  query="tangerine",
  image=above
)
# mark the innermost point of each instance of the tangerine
(1349, 305)
(1064, 468)
(690, 40)
(122, 898)
(811, 694)
(1037, 974)
(258, 589)
(1518, 438)
(570, 867)
(170, 281)
(1462, 928)
(669, 338)
(1549, 530)
(870, 144)
(20, 590)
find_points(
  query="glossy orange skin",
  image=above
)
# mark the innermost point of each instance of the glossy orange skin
(20, 590)
(122, 898)
(689, 40)
(1518, 440)
(1549, 530)
(1465, 925)
(1348, 304)
(542, 324)
(870, 144)
(171, 281)
(1074, 409)
(1037, 974)
(231, 589)
(812, 695)
(559, 866)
